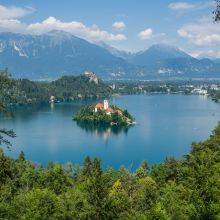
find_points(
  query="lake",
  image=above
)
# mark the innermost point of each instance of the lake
(166, 126)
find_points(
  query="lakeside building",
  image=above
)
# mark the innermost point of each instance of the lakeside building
(200, 91)
(104, 106)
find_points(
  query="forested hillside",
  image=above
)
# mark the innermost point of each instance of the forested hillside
(176, 189)
(215, 95)
(67, 88)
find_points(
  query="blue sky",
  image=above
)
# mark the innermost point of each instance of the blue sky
(130, 25)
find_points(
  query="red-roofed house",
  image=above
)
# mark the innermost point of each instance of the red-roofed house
(99, 106)
(104, 106)
(109, 110)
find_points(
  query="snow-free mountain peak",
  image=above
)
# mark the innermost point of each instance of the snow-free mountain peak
(158, 52)
(57, 53)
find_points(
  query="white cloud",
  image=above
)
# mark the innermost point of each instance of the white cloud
(180, 6)
(206, 54)
(201, 33)
(51, 23)
(12, 25)
(14, 12)
(76, 28)
(9, 18)
(184, 6)
(119, 25)
(9, 21)
(146, 34)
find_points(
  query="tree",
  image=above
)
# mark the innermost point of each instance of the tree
(75, 204)
(120, 200)
(21, 156)
(217, 11)
(4, 133)
(87, 167)
(145, 194)
(56, 179)
(143, 170)
(37, 204)
(5, 84)
(6, 168)
(96, 189)
(177, 201)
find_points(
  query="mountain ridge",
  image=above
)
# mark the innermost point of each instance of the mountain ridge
(156, 53)
(53, 54)
(58, 53)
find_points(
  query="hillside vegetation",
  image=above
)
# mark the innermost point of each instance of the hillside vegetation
(67, 88)
(215, 95)
(176, 189)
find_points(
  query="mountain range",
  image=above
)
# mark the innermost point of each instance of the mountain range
(57, 53)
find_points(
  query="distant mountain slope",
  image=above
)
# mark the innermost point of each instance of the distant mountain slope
(54, 54)
(156, 53)
(115, 52)
(217, 60)
(58, 53)
(165, 60)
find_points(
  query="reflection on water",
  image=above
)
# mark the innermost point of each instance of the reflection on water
(167, 125)
(52, 106)
(103, 130)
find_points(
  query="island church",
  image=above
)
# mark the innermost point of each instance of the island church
(104, 106)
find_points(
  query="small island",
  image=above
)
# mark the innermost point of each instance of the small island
(103, 113)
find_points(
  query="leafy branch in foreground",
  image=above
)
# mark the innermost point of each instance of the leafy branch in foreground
(217, 11)
(8, 133)
(5, 85)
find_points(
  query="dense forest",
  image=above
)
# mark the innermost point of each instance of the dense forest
(176, 189)
(67, 88)
(215, 95)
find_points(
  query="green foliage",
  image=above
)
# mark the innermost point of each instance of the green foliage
(119, 117)
(67, 88)
(151, 87)
(145, 194)
(215, 95)
(37, 204)
(176, 189)
(120, 200)
(217, 11)
(4, 135)
(6, 86)
(176, 199)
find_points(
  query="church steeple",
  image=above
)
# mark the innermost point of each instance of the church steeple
(106, 104)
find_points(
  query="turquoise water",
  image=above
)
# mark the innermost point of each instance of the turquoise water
(166, 126)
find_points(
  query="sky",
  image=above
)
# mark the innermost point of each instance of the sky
(131, 25)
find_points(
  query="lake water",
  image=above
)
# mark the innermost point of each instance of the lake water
(166, 126)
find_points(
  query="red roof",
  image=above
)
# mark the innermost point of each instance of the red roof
(109, 110)
(99, 106)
